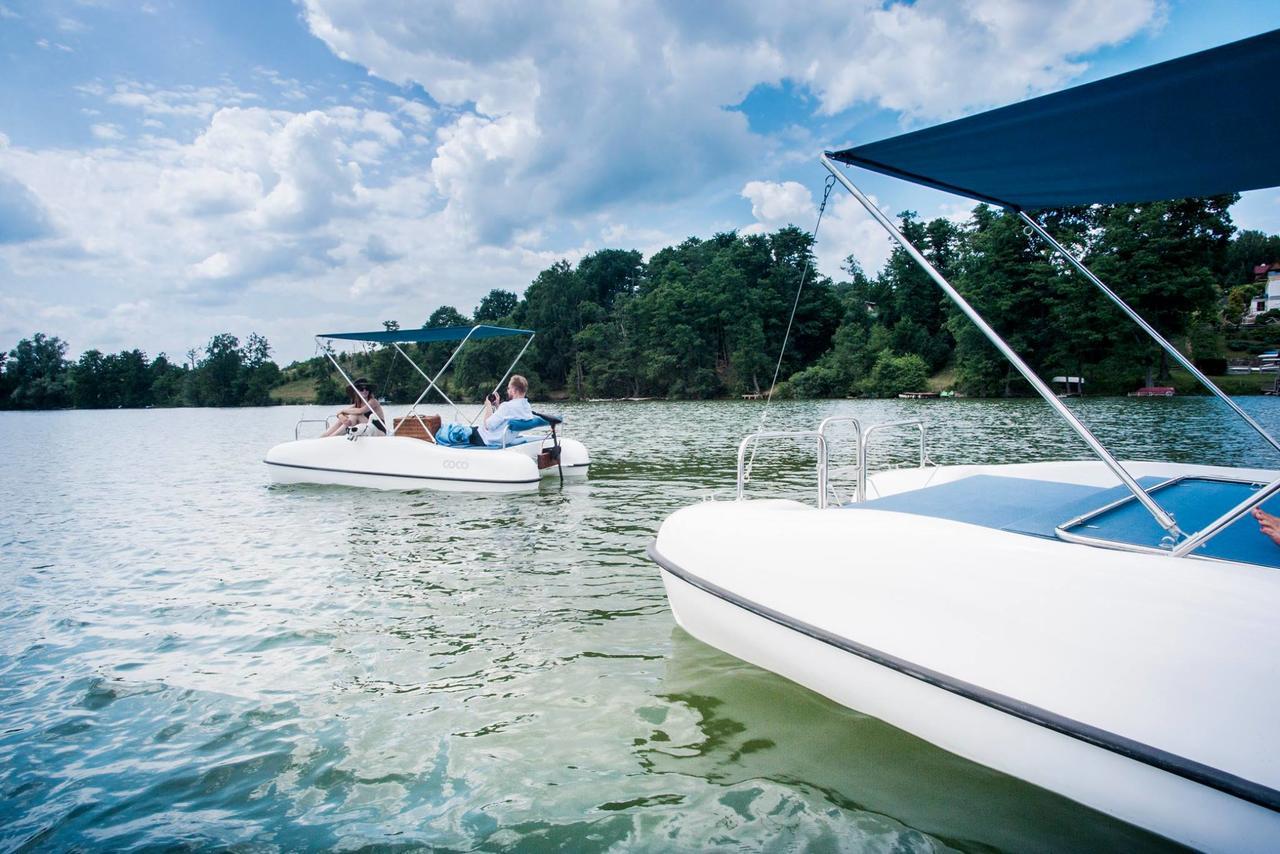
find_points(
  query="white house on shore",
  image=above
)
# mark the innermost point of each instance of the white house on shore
(1269, 299)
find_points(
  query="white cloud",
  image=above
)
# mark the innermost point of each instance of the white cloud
(551, 130)
(846, 228)
(216, 266)
(776, 205)
(198, 102)
(22, 215)
(264, 213)
(559, 111)
(106, 131)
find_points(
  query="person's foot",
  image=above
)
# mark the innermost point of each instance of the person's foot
(1268, 524)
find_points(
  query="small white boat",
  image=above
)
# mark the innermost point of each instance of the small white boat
(1104, 629)
(409, 457)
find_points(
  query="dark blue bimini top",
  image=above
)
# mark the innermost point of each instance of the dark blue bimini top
(1194, 126)
(439, 333)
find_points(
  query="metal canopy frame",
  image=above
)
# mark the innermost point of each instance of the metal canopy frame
(1177, 542)
(432, 381)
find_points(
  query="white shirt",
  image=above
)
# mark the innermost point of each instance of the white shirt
(494, 429)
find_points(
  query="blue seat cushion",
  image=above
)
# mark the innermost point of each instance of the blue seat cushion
(1037, 508)
(521, 424)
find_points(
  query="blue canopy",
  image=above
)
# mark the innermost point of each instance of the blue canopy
(439, 333)
(1194, 126)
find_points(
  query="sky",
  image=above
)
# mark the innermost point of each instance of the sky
(174, 170)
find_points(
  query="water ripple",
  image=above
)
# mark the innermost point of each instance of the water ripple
(192, 658)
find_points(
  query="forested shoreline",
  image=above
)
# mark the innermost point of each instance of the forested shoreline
(706, 318)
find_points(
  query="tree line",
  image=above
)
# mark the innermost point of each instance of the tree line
(37, 375)
(707, 318)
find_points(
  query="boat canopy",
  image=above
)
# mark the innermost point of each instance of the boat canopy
(1193, 126)
(439, 333)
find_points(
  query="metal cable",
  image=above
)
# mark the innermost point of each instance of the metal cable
(764, 413)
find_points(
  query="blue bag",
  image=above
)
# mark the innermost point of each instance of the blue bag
(453, 434)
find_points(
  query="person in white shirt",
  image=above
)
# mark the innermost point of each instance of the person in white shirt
(494, 429)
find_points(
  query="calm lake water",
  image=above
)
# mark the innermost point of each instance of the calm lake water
(190, 657)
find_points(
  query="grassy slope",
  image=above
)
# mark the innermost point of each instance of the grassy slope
(297, 391)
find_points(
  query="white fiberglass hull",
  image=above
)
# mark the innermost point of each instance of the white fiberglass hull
(1141, 685)
(397, 462)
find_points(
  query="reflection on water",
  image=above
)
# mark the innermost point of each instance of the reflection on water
(189, 656)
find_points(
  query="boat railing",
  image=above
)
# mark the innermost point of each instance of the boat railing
(862, 440)
(824, 461)
(865, 441)
(815, 435)
(298, 426)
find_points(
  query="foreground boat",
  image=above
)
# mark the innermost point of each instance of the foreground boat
(409, 457)
(1105, 629)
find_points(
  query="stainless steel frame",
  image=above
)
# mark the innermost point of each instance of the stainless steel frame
(1179, 543)
(1164, 519)
(432, 381)
(861, 438)
(865, 441)
(785, 434)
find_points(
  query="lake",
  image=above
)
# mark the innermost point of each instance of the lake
(190, 657)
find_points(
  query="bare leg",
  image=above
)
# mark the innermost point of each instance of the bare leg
(338, 426)
(1268, 524)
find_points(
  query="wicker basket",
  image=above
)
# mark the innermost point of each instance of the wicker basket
(418, 427)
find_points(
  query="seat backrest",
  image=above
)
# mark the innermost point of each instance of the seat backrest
(519, 425)
(551, 420)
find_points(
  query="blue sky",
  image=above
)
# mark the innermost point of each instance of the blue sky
(172, 170)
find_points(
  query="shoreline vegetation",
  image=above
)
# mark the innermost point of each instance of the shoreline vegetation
(705, 319)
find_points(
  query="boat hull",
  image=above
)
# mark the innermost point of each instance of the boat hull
(402, 463)
(1061, 664)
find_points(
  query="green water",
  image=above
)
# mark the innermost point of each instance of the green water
(192, 658)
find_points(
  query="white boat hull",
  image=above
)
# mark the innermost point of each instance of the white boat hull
(1132, 683)
(398, 462)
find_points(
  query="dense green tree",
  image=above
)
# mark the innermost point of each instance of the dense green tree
(892, 375)
(1161, 259)
(551, 308)
(37, 374)
(166, 381)
(608, 274)
(709, 317)
(1249, 249)
(218, 379)
(1005, 277)
(496, 306)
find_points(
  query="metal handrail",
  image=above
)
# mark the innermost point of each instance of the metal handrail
(866, 441)
(825, 461)
(862, 437)
(325, 421)
(785, 434)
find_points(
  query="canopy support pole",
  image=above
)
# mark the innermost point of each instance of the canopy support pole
(511, 368)
(430, 380)
(1161, 516)
(430, 385)
(1146, 327)
(350, 382)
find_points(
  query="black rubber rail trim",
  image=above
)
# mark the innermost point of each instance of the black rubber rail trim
(393, 474)
(1189, 769)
